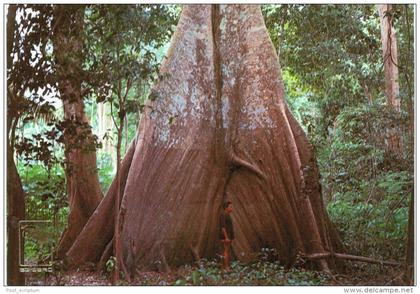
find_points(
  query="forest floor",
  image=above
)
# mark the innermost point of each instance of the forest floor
(241, 275)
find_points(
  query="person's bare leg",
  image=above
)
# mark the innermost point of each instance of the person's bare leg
(226, 258)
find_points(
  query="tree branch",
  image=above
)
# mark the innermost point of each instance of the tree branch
(317, 256)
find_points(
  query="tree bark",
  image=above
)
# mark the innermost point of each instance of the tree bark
(12, 117)
(99, 230)
(390, 57)
(83, 188)
(119, 265)
(219, 129)
(15, 193)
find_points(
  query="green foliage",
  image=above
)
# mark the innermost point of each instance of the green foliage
(260, 272)
(357, 149)
(39, 244)
(122, 59)
(45, 192)
(110, 264)
(334, 90)
(30, 73)
(372, 229)
(105, 170)
(367, 188)
(304, 108)
(335, 52)
(46, 199)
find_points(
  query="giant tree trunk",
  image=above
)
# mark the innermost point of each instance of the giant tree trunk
(218, 129)
(390, 56)
(83, 188)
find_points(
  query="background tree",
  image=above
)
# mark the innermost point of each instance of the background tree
(390, 56)
(33, 113)
(83, 188)
(28, 74)
(16, 195)
(334, 86)
(390, 60)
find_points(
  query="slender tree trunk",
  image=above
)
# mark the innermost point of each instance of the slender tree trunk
(117, 229)
(390, 57)
(116, 237)
(83, 188)
(410, 83)
(105, 124)
(15, 193)
(12, 118)
(11, 25)
(125, 133)
(119, 216)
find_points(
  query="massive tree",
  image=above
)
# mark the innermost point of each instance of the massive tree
(216, 127)
(83, 188)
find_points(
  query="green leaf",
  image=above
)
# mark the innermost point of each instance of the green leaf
(195, 277)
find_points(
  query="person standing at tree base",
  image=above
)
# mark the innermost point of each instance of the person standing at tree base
(226, 232)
